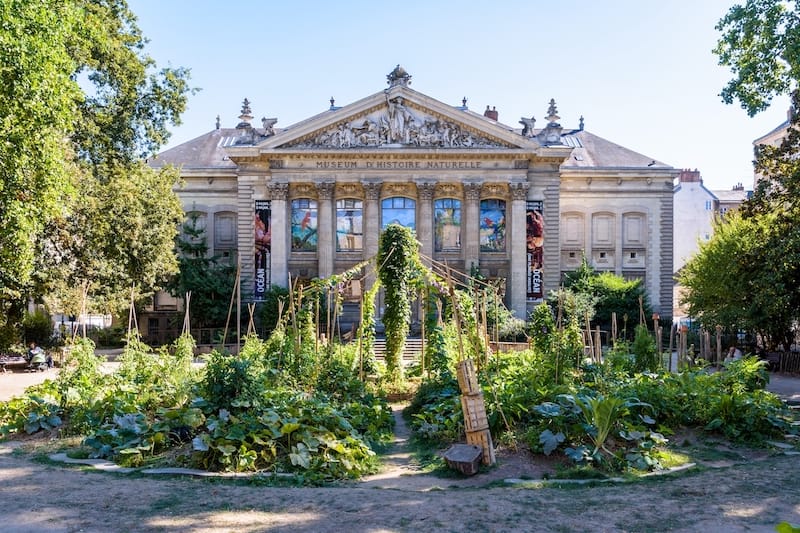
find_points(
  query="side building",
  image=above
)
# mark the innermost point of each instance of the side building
(521, 205)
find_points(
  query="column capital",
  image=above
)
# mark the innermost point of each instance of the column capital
(372, 189)
(325, 189)
(278, 190)
(425, 189)
(472, 190)
(519, 190)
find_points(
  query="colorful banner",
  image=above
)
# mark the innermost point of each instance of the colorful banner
(263, 241)
(534, 237)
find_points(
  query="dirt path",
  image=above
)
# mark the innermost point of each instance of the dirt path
(743, 494)
(41, 497)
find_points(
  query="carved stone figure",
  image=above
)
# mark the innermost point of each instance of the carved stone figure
(397, 124)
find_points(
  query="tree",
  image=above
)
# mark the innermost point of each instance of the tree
(762, 247)
(743, 278)
(759, 43)
(81, 104)
(210, 280)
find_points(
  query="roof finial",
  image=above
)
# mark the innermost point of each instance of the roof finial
(580, 123)
(332, 103)
(246, 115)
(218, 123)
(398, 76)
(552, 113)
(464, 102)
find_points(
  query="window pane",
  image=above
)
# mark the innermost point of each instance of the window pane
(493, 226)
(304, 225)
(447, 224)
(398, 210)
(349, 232)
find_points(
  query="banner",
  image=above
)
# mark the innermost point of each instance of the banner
(534, 237)
(263, 242)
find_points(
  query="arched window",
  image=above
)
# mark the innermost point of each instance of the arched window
(304, 225)
(447, 224)
(493, 225)
(349, 225)
(399, 210)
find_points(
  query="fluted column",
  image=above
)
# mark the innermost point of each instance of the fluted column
(472, 213)
(372, 219)
(425, 218)
(325, 228)
(517, 287)
(279, 226)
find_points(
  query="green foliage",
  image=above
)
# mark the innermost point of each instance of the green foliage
(275, 302)
(366, 332)
(30, 413)
(752, 252)
(82, 104)
(81, 377)
(398, 269)
(434, 413)
(758, 44)
(209, 279)
(598, 296)
(645, 353)
(38, 328)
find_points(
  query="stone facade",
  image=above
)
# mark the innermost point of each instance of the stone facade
(521, 204)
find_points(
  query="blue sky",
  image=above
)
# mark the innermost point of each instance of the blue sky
(640, 72)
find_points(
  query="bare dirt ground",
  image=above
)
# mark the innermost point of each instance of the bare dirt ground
(736, 490)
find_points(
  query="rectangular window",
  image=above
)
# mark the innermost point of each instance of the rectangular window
(493, 226)
(447, 224)
(304, 225)
(349, 226)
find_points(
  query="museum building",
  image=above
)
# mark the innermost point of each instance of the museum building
(521, 205)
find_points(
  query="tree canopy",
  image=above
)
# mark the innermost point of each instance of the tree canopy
(759, 43)
(81, 104)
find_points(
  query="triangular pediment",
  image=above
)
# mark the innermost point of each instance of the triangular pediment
(397, 118)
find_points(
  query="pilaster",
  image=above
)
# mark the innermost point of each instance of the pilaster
(516, 288)
(472, 213)
(425, 190)
(279, 192)
(325, 227)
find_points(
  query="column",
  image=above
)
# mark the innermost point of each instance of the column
(279, 226)
(325, 227)
(517, 286)
(472, 213)
(425, 218)
(372, 219)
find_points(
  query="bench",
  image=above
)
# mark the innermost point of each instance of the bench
(9, 361)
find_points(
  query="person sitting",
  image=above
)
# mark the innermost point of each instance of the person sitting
(37, 360)
(734, 354)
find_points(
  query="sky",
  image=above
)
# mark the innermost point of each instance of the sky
(640, 72)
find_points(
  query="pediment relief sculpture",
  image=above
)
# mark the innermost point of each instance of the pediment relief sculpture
(397, 124)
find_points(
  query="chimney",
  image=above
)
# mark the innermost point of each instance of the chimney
(490, 113)
(690, 176)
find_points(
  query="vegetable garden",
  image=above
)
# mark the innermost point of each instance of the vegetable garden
(303, 403)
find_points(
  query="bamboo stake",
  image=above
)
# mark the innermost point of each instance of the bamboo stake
(239, 305)
(598, 348)
(613, 327)
(230, 310)
(186, 322)
(672, 333)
